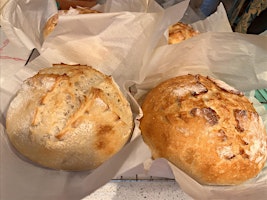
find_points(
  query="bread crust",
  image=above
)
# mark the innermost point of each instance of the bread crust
(179, 32)
(206, 128)
(50, 25)
(69, 117)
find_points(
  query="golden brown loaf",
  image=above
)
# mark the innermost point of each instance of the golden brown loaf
(179, 32)
(52, 21)
(206, 128)
(69, 117)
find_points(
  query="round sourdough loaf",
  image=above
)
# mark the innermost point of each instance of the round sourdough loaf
(179, 32)
(69, 117)
(206, 128)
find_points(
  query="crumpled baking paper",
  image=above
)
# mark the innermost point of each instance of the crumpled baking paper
(138, 58)
(237, 59)
(113, 42)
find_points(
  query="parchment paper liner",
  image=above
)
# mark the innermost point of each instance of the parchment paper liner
(211, 53)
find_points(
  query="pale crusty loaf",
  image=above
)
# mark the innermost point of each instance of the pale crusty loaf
(52, 21)
(206, 128)
(69, 117)
(179, 32)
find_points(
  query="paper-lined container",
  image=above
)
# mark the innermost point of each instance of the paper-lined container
(112, 42)
(239, 60)
(254, 188)
(131, 42)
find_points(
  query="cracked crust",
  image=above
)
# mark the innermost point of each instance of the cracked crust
(69, 117)
(206, 128)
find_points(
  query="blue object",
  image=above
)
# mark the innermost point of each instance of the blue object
(209, 6)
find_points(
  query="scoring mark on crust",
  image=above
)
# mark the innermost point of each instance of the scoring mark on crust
(240, 116)
(222, 135)
(209, 114)
(224, 86)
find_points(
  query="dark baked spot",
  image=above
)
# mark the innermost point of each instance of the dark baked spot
(221, 135)
(229, 157)
(202, 88)
(104, 129)
(199, 89)
(117, 118)
(242, 141)
(42, 101)
(240, 117)
(208, 113)
(211, 116)
(103, 141)
(245, 143)
(243, 154)
(100, 144)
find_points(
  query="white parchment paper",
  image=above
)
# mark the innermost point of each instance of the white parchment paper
(114, 42)
(255, 188)
(129, 42)
(238, 59)
(23, 21)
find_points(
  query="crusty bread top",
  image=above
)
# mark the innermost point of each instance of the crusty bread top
(206, 128)
(69, 117)
(180, 31)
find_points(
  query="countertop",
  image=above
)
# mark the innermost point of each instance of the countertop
(145, 189)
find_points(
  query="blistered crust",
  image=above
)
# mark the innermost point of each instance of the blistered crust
(69, 117)
(206, 128)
